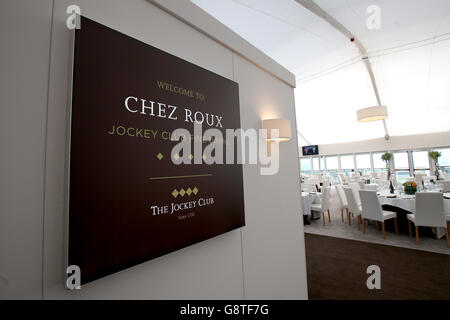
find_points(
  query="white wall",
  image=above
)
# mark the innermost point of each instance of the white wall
(23, 102)
(429, 140)
(265, 259)
(271, 202)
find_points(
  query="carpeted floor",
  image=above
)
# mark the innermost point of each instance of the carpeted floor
(337, 269)
(340, 229)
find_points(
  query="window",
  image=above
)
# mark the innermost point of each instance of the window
(401, 164)
(363, 163)
(317, 164)
(347, 165)
(421, 162)
(305, 165)
(444, 161)
(405, 163)
(332, 168)
(332, 163)
(378, 164)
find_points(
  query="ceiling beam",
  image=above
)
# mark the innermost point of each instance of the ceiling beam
(318, 11)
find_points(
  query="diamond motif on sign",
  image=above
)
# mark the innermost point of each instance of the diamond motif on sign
(189, 191)
(182, 192)
(195, 190)
(175, 193)
(191, 156)
(176, 156)
(159, 156)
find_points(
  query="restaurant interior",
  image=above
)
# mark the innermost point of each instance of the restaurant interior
(372, 111)
(372, 114)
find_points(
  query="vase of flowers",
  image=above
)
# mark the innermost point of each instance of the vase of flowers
(410, 187)
(386, 157)
(434, 155)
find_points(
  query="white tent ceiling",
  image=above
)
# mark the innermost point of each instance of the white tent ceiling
(410, 56)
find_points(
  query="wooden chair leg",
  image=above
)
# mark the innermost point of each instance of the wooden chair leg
(378, 227)
(342, 215)
(396, 226)
(329, 218)
(417, 235)
(384, 230)
(409, 227)
(359, 222)
(349, 218)
(436, 231)
(364, 226)
(323, 218)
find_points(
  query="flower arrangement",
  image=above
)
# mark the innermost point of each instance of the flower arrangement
(434, 155)
(410, 187)
(386, 157)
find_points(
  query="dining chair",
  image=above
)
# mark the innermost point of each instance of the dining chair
(324, 205)
(353, 207)
(445, 185)
(308, 187)
(361, 184)
(372, 210)
(342, 200)
(427, 179)
(419, 177)
(325, 184)
(355, 186)
(429, 213)
(342, 179)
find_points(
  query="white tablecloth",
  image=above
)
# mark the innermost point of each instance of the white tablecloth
(307, 200)
(408, 203)
(306, 204)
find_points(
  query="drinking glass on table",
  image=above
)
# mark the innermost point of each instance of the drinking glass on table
(433, 187)
(399, 188)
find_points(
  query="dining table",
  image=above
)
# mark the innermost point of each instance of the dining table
(306, 203)
(404, 204)
(307, 199)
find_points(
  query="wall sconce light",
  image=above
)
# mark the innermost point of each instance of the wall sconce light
(283, 126)
(372, 114)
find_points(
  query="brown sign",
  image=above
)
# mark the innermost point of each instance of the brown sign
(128, 201)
